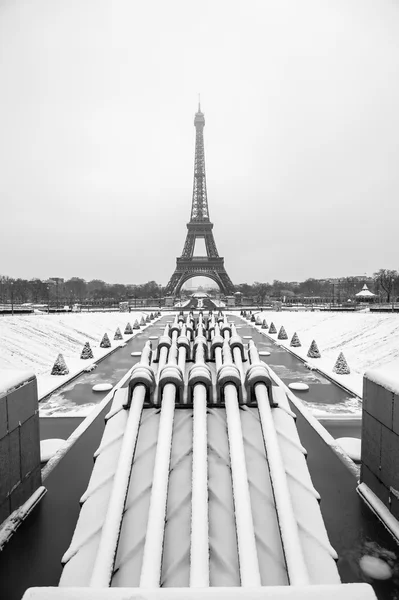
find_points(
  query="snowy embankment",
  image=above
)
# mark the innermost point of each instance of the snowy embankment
(368, 340)
(33, 342)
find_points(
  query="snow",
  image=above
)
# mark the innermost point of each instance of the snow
(375, 567)
(298, 386)
(347, 591)
(13, 378)
(352, 446)
(33, 342)
(264, 353)
(50, 447)
(386, 376)
(102, 387)
(379, 508)
(368, 340)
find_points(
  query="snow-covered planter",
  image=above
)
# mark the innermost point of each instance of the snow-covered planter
(272, 328)
(59, 367)
(128, 329)
(264, 325)
(341, 367)
(118, 335)
(295, 341)
(87, 352)
(136, 325)
(105, 343)
(282, 335)
(313, 351)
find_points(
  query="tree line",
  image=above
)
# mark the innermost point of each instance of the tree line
(56, 291)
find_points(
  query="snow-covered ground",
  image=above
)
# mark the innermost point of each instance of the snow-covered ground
(33, 342)
(368, 340)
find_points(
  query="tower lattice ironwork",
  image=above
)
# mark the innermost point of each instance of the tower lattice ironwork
(200, 226)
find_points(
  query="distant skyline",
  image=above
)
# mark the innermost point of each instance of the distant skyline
(97, 145)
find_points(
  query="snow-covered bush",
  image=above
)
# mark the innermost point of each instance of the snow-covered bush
(258, 320)
(136, 325)
(341, 367)
(147, 319)
(59, 367)
(264, 325)
(151, 316)
(105, 343)
(118, 335)
(272, 328)
(282, 335)
(142, 322)
(295, 341)
(87, 352)
(313, 351)
(128, 329)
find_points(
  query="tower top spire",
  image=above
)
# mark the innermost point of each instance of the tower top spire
(199, 102)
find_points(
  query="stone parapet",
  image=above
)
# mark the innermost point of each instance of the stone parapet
(20, 473)
(380, 436)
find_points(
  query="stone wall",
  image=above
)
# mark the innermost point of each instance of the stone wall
(380, 437)
(20, 473)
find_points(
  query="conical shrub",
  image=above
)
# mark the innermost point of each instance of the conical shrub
(295, 341)
(151, 316)
(128, 329)
(59, 367)
(282, 335)
(272, 328)
(136, 325)
(341, 367)
(264, 325)
(142, 322)
(118, 335)
(87, 352)
(105, 343)
(258, 320)
(147, 319)
(252, 318)
(313, 351)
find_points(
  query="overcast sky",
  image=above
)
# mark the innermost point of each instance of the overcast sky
(97, 102)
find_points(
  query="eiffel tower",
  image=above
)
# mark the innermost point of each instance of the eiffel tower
(200, 226)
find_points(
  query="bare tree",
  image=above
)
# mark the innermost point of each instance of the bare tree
(385, 279)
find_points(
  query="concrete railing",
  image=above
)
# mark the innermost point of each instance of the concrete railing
(20, 474)
(380, 437)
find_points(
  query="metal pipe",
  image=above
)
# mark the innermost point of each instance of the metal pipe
(247, 553)
(294, 558)
(105, 558)
(152, 558)
(199, 550)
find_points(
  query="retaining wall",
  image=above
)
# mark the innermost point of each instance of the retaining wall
(380, 437)
(20, 473)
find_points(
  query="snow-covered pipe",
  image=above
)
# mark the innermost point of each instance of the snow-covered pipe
(293, 552)
(199, 550)
(247, 553)
(152, 558)
(105, 558)
(238, 361)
